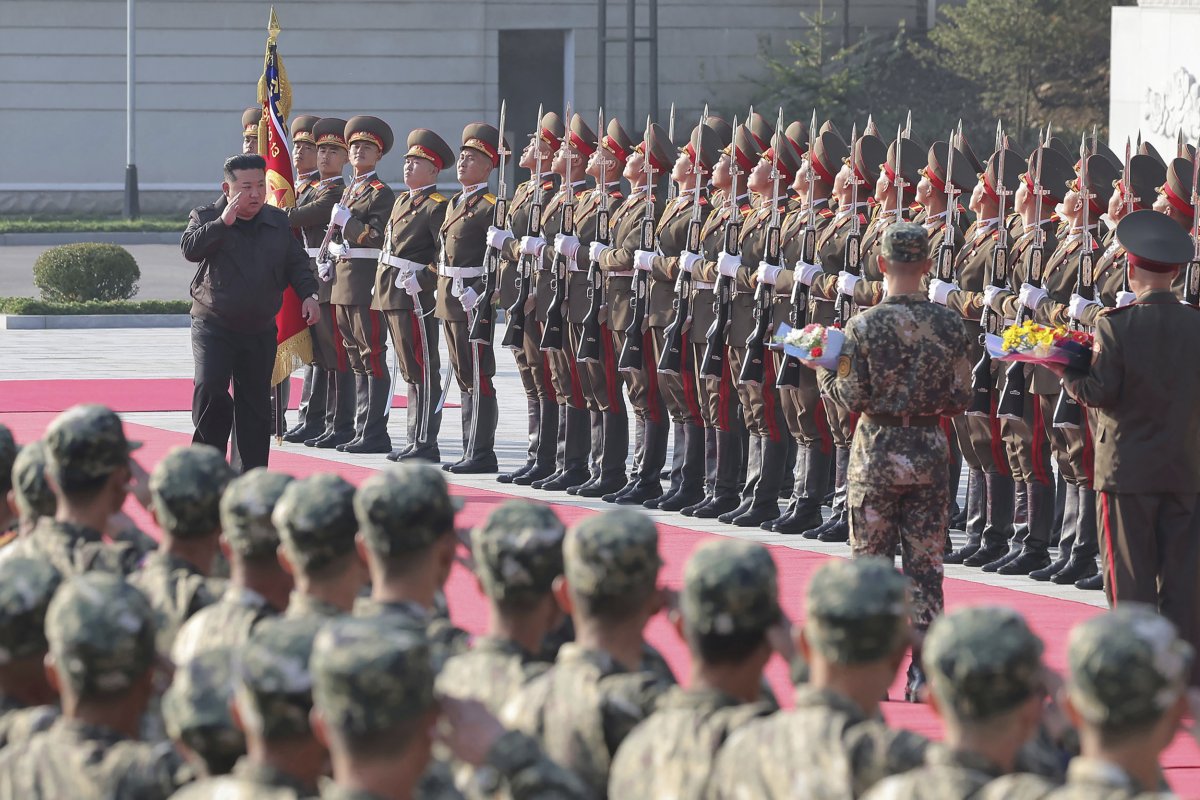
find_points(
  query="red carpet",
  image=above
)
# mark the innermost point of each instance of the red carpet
(1050, 618)
(140, 394)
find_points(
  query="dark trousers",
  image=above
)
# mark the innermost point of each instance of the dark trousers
(245, 360)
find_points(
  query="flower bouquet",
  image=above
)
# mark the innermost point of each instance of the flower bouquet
(1042, 344)
(813, 342)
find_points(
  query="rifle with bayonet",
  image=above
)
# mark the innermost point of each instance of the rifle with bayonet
(789, 371)
(944, 265)
(482, 321)
(853, 257)
(553, 337)
(589, 342)
(514, 333)
(632, 357)
(1191, 285)
(712, 364)
(758, 343)
(981, 376)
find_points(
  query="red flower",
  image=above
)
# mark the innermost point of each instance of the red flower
(815, 352)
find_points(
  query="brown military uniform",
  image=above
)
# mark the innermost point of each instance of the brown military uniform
(311, 215)
(361, 328)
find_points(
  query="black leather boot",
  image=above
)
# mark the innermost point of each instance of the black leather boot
(339, 415)
(1081, 562)
(575, 457)
(546, 447)
(595, 455)
(312, 410)
(375, 437)
(480, 457)
(612, 460)
(534, 409)
(691, 485)
(976, 512)
(710, 472)
(810, 490)
(765, 504)
(362, 406)
(560, 450)
(1093, 583)
(838, 519)
(728, 477)
(674, 473)
(753, 465)
(648, 481)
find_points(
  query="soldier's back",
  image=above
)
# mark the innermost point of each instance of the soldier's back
(73, 549)
(225, 623)
(947, 775)
(19, 724)
(248, 781)
(492, 672)
(176, 591)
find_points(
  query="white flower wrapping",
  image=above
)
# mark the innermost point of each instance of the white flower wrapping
(816, 343)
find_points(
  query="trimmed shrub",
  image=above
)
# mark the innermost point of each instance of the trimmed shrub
(27, 306)
(77, 273)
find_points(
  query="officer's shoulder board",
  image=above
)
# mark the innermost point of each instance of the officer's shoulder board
(825, 212)
(491, 198)
(616, 194)
(378, 184)
(438, 197)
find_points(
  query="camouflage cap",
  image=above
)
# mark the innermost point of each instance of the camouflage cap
(195, 707)
(315, 520)
(185, 490)
(905, 243)
(1126, 666)
(983, 661)
(26, 588)
(857, 609)
(612, 553)
(272, 680)
(404, 508)
(8, 454)
(370, 674)
(246, 509)
(729, 587)
(101, 633)
(518, 550)
(85, 443)
(33, 494)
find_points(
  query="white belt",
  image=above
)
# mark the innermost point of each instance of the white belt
(402, 264)
(575, 268)
(459, 273)
(313, 252)
(702, 284)
(362, 252)
(627, 273)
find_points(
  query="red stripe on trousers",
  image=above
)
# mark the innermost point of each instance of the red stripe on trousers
(687, 376)
(551, 395)
(612, 383)
(770, 397)
(376, 362)
(1089, 455)
(485, 382)
(1041, 438)
(999, 454)
(418, 331)
(822, 420)
(653, 402)
(339, 345)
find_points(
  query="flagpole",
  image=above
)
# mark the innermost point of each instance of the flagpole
(132, 210)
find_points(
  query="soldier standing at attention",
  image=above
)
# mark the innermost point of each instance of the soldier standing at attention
(1147, 463)
(250, 118)
(903, 365)
(404, 288)
(460, 278)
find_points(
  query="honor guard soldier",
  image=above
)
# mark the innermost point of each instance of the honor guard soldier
(463, 242)
(404, 289)
(361, 215)
(517, 277)
(250, 118)
(329, 392)
(617, 261)
(803, 407)
(1147, 442)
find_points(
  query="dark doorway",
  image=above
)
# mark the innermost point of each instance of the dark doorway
(531, 72)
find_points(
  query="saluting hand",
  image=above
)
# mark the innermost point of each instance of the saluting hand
(229, 215)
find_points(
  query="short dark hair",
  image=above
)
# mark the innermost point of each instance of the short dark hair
(243, 161)
(730, 648)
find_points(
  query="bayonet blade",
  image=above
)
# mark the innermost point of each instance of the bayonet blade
(1125, 178)
(908, 125)
(899, 173)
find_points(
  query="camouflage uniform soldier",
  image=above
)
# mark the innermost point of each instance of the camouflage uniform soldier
(88, 466)
(833, 744)
(729, 603)
(185, 490)
(31, 493)
(27, 701)
(903, 366)
(101, 636)
(316, 524)
(987, 681)
(272, 688)
(258, 586)
(196, 711)
(599, 688)
(406, 523)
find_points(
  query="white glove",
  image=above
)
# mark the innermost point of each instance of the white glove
(339, 216)
(846, 283)
(1031, 296)
(409, 283)
(806, 273)
(728, 265)
(596, 249)
(689, 261)
(567, 246)
(469, 298)
(939, 291)
(325, 270)
(532, 245)
(496, 237)
(1077, 304)
(991, 292)
(1125, 298)
(643, 260)
(767, 273)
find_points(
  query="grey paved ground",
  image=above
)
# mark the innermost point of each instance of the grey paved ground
(165, 353)
(165, 275)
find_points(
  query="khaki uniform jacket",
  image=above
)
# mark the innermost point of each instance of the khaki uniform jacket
(528, 194)
(626, 239)
(587, 220)
(671, 237)
(551, 227)
(463, 236)
(411, 234)
(712, 243)
(752, 244)
(831, 245)
(311, 215)
(370, 202)
(1038, 379)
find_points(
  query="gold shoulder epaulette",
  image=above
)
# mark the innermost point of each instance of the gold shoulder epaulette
(377, 184)
(438, 197)
(491, 198)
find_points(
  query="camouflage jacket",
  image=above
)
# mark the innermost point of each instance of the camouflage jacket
(445, 639)
(304, 605)
(248, 781)
(77, 760)
(672, 752)
(1087, 779)
(491, 672)
(824, 748)
(947, 775)
(73, 549)
(176, 590)
(583, 708)
(903, 356)
(225, 623)
(19, 723)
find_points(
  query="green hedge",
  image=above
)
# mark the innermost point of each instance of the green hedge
(29, 306)
(91, 225)
(80, 273)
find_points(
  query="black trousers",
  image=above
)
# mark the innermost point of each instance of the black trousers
(223, 357)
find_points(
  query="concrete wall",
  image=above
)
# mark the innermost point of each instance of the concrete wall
(62, 99)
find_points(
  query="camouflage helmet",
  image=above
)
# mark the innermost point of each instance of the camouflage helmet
(272, 680)
(905, 243)
(315, 520)
(185, 490)
(1126, 667)
(101, 633)
(857, 609)
(730, 587)
(33, 494)
(8, 453)
(86, 443)
(983, 661)
(404, 508)
(371, 674)
(195, 707)
(26, 587)
(246, 509)
(611, 554)
(518, 550)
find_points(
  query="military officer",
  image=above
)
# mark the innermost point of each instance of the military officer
(250, 119)
(330, 390)
(463, 243)
(404, 289)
